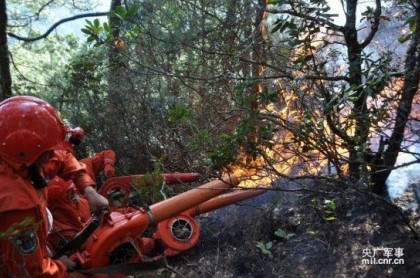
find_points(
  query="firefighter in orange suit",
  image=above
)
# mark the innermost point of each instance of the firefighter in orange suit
(65, 165)
(30, 129)
(101, 162)
(70, 178)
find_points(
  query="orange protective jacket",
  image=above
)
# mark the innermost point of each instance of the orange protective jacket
(69, 219)
(23, 228)
(70, 211)
(65, 165)
(98, 163)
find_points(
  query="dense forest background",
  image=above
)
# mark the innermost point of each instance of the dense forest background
(315, 100)
(276, 88)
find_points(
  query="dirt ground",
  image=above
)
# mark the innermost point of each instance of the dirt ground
(304, 234)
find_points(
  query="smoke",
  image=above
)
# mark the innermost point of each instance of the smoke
(401, 178)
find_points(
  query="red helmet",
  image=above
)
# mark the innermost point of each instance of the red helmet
(28, 127)
(77, 133)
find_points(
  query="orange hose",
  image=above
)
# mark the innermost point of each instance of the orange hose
(191, 198)
(224, 200)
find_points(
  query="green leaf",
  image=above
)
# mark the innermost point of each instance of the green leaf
(88, 22)
(312, 232)
(281, 233)
(121, 11)
(261, 245)
(411, 23)
(132, 10)
(405, 38)
(180, 114)
(285, 25)
(106, 27)
(277, 25)
(265, 248)
(275, 2)
(86, 31)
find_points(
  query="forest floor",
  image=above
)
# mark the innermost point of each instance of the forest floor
(305, 234)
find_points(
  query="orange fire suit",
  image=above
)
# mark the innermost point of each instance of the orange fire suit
(65, 165)
(70, 211)
(68, 218)
(103, 161)
(23, 228)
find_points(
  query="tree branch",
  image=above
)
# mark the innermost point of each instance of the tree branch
(43, 7)
(375, 25)
(319, 21)
(55, 25)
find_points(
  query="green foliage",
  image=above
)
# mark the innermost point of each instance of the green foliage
(265, 248)
(411, 22)
(283, 234)
(42, 76)
(98, 33)
(102, 33)
(326, 208)
(281, 25)
(288, 24)
(125, 13)
(94, 29)
(169, 59)
(225, 153)
(180, 114)
(276, 2)
(25, 17)
(312, 232)
(148, 189)
(368, 14)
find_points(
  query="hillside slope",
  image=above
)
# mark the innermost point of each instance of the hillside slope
(318, 235)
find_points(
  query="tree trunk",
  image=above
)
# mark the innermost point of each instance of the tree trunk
(258, 48)
(5, 77)
(410, 87)
(354, 52)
